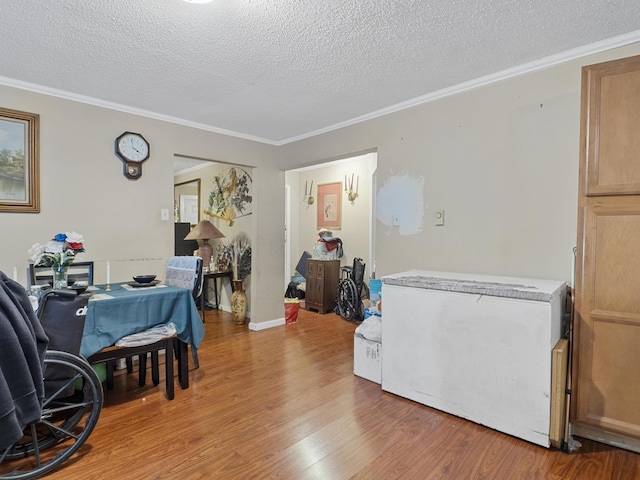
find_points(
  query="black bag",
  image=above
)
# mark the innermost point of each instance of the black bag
(292, 290)
(62, 314)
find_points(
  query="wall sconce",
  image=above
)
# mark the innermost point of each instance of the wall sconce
(348, 188)
(308, 197)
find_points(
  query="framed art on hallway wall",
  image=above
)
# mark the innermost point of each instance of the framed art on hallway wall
(330, 205)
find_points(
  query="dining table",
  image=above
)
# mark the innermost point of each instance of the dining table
(127, 308)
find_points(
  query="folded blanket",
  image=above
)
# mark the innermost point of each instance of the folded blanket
(148, 337)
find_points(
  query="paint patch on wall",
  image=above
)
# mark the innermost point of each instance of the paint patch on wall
(400, 202)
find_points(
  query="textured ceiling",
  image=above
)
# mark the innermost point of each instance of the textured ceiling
(277, 70)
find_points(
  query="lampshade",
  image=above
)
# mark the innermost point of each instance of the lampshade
(204, 231)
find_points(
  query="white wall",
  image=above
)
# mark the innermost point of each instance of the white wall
(501, 160)
(82, 188)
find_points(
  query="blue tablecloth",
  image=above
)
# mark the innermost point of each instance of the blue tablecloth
(135, 310)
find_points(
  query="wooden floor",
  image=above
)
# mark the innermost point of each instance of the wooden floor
(284, 403)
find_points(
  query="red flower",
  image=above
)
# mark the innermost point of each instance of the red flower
(75, 246)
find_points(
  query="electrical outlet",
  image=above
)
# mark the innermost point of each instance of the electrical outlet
(439, 218)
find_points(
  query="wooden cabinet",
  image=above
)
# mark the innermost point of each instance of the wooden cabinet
(322, 284)
(606, 363)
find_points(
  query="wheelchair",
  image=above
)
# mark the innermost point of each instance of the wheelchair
(350, 291)
(73, 394)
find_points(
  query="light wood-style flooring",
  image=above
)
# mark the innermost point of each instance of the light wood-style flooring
(284, 403)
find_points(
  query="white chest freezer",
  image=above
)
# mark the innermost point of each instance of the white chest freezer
(476, 346)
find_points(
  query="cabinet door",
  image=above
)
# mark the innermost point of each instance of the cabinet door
(606, 363)
(608, 320)
(611, 127)
(315, 284)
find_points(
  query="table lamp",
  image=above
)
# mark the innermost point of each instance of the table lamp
(203, 232)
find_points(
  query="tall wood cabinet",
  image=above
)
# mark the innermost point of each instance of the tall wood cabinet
(322, 284)
(606, 355)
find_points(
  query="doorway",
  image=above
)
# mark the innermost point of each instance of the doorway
(357, 218)
(186, 201)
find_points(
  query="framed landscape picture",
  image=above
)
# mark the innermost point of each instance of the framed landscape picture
(330, 205)
(19, 161)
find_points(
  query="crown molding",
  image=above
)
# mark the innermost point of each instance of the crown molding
(523, 69)
(543, 63)
(96, 102)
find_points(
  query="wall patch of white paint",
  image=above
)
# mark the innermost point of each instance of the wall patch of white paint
(400, 201)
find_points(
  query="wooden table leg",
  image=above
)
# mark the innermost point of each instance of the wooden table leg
(168, 349)
(202, 299)
(183, 364)
(215, 291)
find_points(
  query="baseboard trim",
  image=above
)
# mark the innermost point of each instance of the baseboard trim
(608, 438)
(268, 324)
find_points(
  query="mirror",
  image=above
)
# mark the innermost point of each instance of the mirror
(186, 201)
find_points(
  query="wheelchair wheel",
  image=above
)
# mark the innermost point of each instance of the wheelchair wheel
(347, 301)
(65, 423)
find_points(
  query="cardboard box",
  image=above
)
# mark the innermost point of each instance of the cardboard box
(559, 366)
(366, 359)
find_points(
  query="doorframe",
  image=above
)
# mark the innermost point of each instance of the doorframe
(372, 213)
(287, 235)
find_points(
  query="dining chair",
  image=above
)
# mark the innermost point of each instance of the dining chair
(185, 272)
(109, 355)
(182, 272)
(77, 271)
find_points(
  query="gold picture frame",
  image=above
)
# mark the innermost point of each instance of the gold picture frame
(19, 161)
(330, 205)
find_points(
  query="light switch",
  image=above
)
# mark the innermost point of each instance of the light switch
(439, 217)
(164, 214)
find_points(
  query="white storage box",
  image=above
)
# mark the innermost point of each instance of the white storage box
(366, 359)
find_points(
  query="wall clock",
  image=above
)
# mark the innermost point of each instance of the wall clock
(132, 149)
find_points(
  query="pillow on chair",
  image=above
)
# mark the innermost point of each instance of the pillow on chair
(185, 272)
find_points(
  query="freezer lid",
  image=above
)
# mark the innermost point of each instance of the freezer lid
(497, 286)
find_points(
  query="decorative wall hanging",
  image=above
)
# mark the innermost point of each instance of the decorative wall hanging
(330, 205)
(308, 196)
(19, 161)
(352, 193)
(230, 197)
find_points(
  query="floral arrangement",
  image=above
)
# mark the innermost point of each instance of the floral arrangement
(60, 252)
(240, 249)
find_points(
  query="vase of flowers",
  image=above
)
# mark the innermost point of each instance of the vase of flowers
(241, 260)
(58, 253)
(60, 275)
